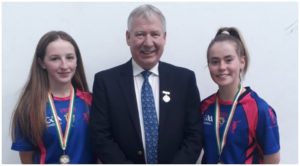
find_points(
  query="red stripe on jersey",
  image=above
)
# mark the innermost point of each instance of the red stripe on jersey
(43, 152)
(250, 107)
(207, 102)
(272, 116)
(85, 96)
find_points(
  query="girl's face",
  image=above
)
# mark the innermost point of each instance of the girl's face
(225, 64)
(60, 61)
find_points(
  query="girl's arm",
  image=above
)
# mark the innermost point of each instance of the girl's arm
(26, 157)
(272, 158)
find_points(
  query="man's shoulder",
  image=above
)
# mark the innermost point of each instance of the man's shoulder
(174, 68)
(114, 70)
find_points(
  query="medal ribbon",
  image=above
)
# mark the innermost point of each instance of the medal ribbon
(63, 139)
(217, 116)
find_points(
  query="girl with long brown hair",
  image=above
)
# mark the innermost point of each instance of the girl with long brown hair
(50, 119)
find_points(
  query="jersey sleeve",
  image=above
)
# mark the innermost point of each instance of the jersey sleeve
(267, 129)
(21, 143)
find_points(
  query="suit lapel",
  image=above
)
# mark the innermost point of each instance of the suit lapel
(164, 85)
(127, 86)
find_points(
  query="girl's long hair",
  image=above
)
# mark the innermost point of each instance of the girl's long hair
(29, 115)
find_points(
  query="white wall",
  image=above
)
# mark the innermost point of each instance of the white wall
(270, 30)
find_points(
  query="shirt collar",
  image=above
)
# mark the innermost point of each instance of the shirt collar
(137, 69)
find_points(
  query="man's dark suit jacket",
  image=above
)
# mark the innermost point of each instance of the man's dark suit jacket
(114, 122)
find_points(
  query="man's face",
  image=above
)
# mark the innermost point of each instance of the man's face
(146, 40)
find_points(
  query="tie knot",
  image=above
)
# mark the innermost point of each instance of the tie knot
(146, 74)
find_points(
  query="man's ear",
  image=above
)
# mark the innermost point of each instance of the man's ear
(128, 38)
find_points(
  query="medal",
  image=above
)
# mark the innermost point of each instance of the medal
(64, 159)
(63, 139)
(166, 97)
(221, 143)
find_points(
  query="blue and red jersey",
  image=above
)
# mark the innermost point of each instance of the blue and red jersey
(78, 147)
(253, 131)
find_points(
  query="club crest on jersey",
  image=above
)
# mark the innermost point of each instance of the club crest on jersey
(221, 120)
(234, 125)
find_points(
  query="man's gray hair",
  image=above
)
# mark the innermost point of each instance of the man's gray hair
(146, 11)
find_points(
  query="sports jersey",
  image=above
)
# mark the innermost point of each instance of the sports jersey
(49, 150)
(253, 131)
